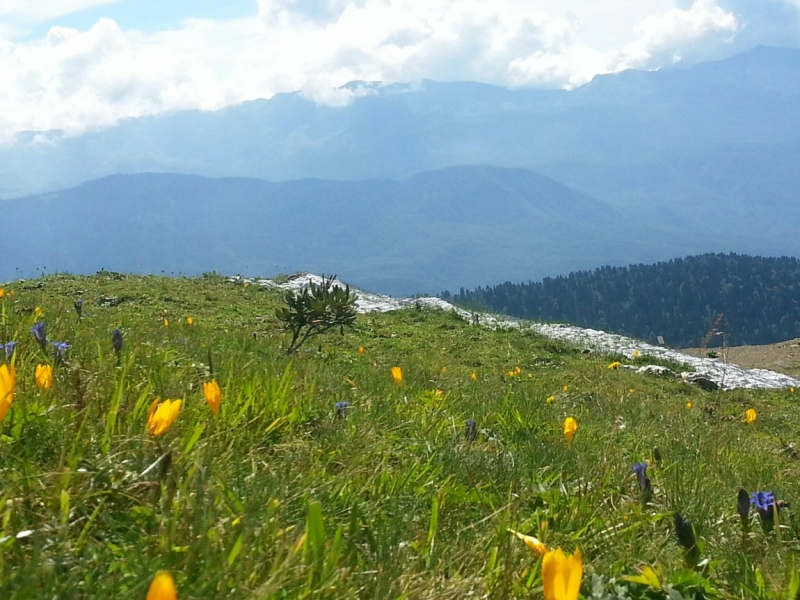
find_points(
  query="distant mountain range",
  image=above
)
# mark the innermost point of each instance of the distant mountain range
(461, 226)
(632, 167)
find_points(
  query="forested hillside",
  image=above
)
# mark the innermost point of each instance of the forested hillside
(742, 299)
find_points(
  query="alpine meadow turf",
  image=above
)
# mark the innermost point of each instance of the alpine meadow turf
(325, 473)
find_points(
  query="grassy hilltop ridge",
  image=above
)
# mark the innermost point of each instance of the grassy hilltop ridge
(276, 497)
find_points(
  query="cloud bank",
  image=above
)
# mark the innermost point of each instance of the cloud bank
(76, 81)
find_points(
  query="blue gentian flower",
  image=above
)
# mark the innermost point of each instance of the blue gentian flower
(471, 430)
(61, 348)
(341, 408)
(640, 469)
(39, 333)
(763, 501)
(116, 340)
(9, 347)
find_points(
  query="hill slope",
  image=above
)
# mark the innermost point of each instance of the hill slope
(280, 495)
(457, 226)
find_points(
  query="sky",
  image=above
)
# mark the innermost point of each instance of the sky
(80, 65)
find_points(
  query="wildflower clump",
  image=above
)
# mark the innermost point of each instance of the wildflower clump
(8, 382)
(397, 374)
(531, 542)
(162, 587)
(750, 416)
(213, 395)
(562, 575)
(161, 415)
(570, 427)
(43, 377)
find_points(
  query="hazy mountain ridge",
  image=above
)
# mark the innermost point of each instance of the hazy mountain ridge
(457, 226)
(631, 120)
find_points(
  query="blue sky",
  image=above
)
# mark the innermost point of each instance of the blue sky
(149, 15)
(77, 65)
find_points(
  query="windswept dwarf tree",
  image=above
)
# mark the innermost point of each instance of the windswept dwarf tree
(315, 309)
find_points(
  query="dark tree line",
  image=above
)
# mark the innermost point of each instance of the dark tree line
(683, 300)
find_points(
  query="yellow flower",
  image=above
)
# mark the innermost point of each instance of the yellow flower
(44, 377)
(750, 416)
(8, 380)
(37, 312)
(160, 416)
(570, 427)
(166, 322)
(614, 364)
(213, 395)
(397, 374)
(361, 349)
(162, 587)
(511, 373)
(551, 399)
(635, 354)
(791, 390)
(517, 370)
(566, 388)
(688, 405)
(532, 543)
(190, 321)
(474, 376)
(562, 575)
(444, 369)
(2, 293)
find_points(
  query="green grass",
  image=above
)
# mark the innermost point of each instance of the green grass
(277, 498)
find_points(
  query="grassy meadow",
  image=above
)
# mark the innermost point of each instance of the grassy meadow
(279, 496)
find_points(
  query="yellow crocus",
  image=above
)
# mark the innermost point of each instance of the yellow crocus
(213, 395)
(474, 377)
(551, 399)
(43, 376)
(361, 349)
(533, 543)
(570, 427)
(397, 374)
(161, 415)
(566, 388)
(614, 364)
(517, 370)
(37, 312)
(166, 322)
(190, 321)
(2, 293)
(750, 416)
(162, 587)
(688, 405)
(8, 381)
(562, 575)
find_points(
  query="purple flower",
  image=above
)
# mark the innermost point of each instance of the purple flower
(39, 333)
(9, 347)
(341, 409)
(640, 469)
(471, 430)
(763, 501)
(61, 348)
(116, 340)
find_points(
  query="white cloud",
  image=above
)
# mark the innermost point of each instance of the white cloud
(75, 81)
